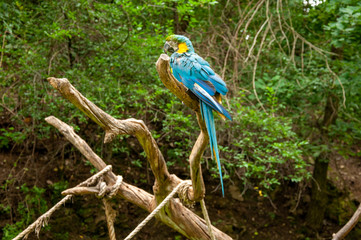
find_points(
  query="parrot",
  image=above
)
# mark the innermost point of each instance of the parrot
(197, 76)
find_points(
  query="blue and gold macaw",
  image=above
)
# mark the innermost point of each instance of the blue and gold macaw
(195, 74)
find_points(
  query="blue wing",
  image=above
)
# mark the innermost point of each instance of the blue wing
(195, 73)
(192, 70)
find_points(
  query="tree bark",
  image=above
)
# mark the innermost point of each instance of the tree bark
(316, 211)
(318, 203)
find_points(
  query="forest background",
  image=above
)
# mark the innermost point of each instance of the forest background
(291, 156)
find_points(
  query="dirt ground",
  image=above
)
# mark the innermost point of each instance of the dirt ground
(346, 175)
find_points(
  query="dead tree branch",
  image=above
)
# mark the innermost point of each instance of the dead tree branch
(341, 234)
(130, 193)
(174, 214)
(114, 127)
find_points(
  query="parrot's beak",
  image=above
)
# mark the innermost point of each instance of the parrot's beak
(168, 48)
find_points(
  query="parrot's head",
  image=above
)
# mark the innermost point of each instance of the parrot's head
(178, 43)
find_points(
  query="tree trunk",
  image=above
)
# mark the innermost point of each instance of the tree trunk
(318, 203)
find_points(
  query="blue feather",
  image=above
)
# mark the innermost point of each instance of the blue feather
(206, 98)
(207, 116)
(208, 88)
(218, 84)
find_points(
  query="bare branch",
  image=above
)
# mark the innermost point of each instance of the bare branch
(255, 68)
(130, 193)
(280, 25)
(2, 48)
(341, 234)
(195, 163)
(255, 39)
(80, 191)
(113, 127)
(175, 215)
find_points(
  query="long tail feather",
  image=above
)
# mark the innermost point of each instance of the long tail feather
(207, 115)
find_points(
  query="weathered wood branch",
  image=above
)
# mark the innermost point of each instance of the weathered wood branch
(341, 234)
(80, 191)
(197, 191)
(130, 193)
(175, 215)
(114, 127)
(195, 162)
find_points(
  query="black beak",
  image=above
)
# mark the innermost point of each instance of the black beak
(168, 48)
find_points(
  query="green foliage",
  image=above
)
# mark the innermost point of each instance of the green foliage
(33, 206)
(340, 21)
(58, 187)
(10, 136)
(178, 130)
(264, 147)
(110, 61)
(346, 28)
(107, 49)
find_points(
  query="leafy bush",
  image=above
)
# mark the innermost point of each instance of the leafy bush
(31, 208)
(263, 148)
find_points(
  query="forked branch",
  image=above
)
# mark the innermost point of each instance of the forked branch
(130, 193)
(114, 127)
(174, 214)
